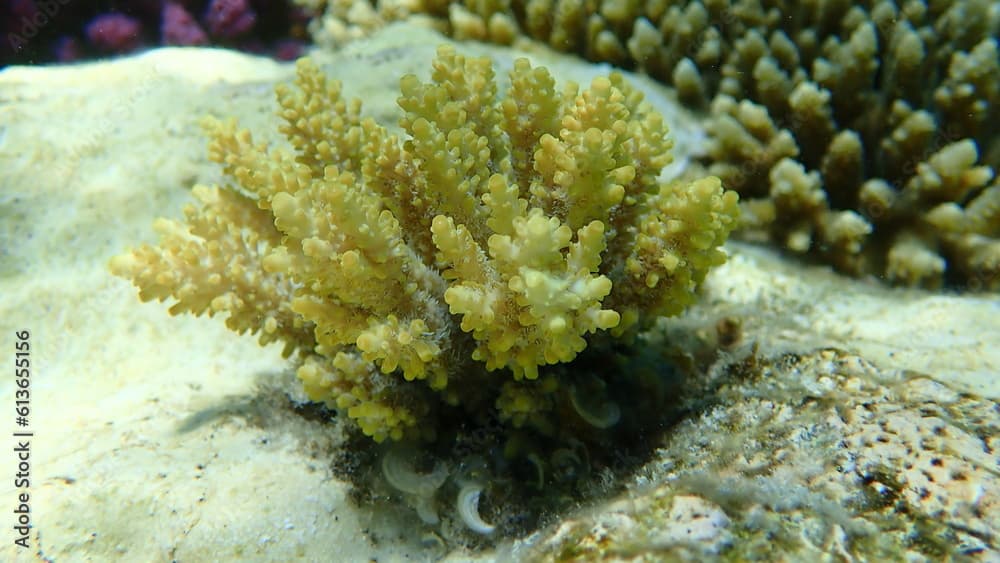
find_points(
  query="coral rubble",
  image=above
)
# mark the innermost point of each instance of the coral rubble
(500, 233)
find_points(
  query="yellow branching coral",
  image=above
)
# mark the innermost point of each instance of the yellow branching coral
(498, 234)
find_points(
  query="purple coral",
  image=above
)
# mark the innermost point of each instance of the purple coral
(288, 49)
(38, 31)
(179, 27)
(228, 19)
(18, 25)
(22, 9)
(67, 49)
(114, 32)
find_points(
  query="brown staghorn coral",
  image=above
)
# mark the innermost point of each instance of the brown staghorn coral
(863, 94)
(497, 234)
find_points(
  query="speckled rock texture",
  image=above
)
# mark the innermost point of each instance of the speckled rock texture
(808, 457)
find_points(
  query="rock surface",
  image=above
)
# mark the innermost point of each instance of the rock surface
(864, 424)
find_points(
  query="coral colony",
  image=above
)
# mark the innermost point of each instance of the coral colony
(446, 269)
(862, 134)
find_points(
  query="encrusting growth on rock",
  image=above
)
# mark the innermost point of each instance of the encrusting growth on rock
(497, 234)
